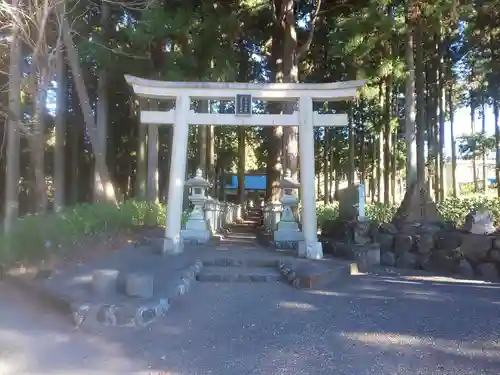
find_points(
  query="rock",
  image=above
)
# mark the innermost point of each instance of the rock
(422, 260)
(388, 228)
(387, 259)
(367, 256)
(406, 260)
(336, 229)
(496, 242)
(464, 269)
(488, 271)
(449, 225)
(424, 243)
(448, 240)
(402, 244)
(494, 255)
(140, 285)
(361, 232)
(106, 315)
(479, 222)
(475, 247)
(104, 281)
(386, 242)
(441, 260)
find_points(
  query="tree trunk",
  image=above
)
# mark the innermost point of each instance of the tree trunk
(202, 138)
(100, 161)
(410, 131)
(326, 149)
(483, 151)
(452, 136)
(274, 135)
(473, 131)
(442, 114)
(420, 94)
(37, 140)
(102, 103)
(387, 139)
(13, 127)
(60, 130)
(497, 140)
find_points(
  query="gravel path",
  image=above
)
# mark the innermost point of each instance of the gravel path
(370, 325)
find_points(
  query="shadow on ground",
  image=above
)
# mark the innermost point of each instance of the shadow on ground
(370, 325)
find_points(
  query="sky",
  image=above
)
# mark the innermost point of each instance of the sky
(463, 125)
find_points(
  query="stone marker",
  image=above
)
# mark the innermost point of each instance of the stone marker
(105, 281)
(139, 285)
(479, 222)
(352, 202)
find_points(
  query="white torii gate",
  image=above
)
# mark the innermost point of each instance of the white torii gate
(243, 93)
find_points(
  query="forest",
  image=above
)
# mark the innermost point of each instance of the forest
(70, 127)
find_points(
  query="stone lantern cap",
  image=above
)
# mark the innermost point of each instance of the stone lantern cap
(197, 180)
(288, 182)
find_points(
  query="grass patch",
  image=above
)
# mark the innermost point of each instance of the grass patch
(33, 237)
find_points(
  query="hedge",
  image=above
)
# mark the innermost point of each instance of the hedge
(452, 208)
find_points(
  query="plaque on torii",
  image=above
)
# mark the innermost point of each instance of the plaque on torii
(243, 105)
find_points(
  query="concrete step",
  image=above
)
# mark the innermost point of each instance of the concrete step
(238, 274)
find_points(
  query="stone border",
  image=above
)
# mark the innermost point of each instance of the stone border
(289, 273)
(239, 263)
(117, 315)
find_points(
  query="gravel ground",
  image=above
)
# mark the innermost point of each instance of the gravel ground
(373, 325)
(386, 324)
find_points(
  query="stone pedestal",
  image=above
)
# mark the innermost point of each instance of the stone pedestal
(310, 250)
(287, 233)
(197, 228)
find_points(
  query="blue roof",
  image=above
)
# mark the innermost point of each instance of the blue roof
(252, 182)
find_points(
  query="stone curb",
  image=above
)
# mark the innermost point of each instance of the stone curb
(133, 316)
(238, 277)
(301, 279)
(289, 273)
(232, 262)
(117, 315)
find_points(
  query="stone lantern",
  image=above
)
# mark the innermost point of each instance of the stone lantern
(288, 233)
(197, 229)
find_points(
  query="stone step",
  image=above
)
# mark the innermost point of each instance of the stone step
(238, 274)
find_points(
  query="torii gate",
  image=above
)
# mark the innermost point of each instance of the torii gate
(243, 93)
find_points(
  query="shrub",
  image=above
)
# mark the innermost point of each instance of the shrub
(33, 236)
(452, 208)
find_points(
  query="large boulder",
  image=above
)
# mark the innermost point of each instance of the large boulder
(403, 243)
(386, 242)
(424, 243)
(336, 229)
(407, 260)
(441, 261)
(465, 269)
(488, 271)
(448, 240)
(475, 247)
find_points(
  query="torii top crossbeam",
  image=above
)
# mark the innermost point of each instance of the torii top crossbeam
(148, 88)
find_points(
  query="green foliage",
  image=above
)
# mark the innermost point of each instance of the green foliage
(456, 209)
(452, 209)
(34, 236)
